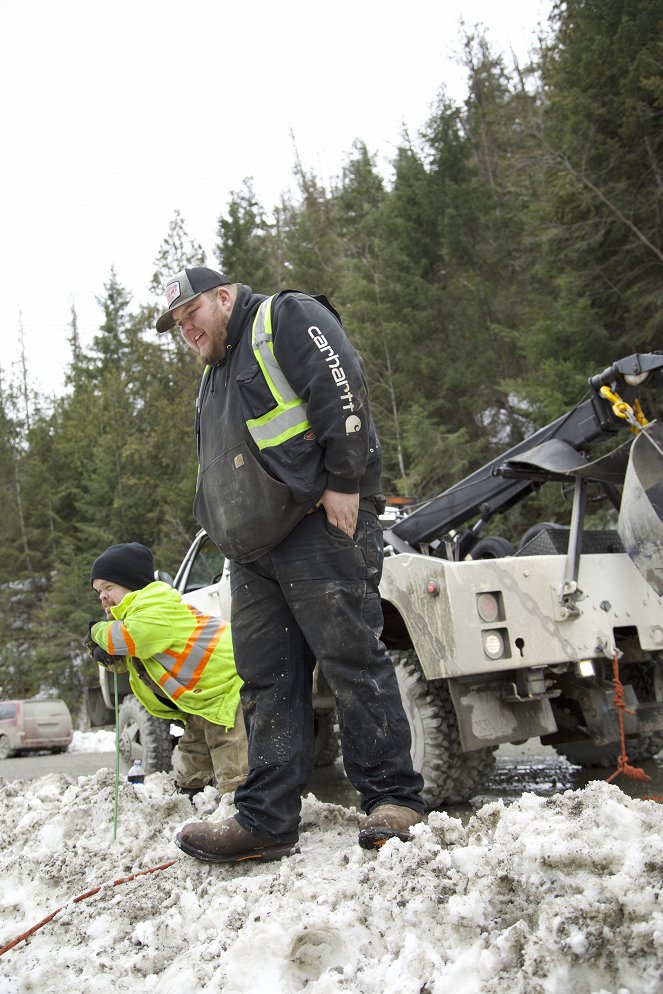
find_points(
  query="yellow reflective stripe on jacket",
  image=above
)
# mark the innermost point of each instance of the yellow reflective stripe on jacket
(184, 669)
(289, 416)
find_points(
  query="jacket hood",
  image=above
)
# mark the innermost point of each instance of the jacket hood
(246, 305)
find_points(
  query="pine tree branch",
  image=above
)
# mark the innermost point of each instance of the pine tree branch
(582, 178)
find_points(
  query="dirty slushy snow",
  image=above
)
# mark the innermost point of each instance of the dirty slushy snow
(556, 895)
(100, 740)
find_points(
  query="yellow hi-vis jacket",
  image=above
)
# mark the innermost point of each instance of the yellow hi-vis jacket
(188, 654)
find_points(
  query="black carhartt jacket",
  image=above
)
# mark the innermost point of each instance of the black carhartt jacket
(249, 500)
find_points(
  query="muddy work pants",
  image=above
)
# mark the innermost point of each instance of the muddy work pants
(209, 753)
(315, 598)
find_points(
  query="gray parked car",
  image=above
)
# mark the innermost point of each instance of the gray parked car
(34, 726)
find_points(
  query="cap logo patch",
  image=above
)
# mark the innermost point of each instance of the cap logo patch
(172, 291)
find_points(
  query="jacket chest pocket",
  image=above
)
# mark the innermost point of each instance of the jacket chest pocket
(255, 396)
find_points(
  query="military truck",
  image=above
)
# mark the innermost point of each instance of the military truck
(495, 643)
(498, 642)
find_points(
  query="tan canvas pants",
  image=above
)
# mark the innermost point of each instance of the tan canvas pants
(207, 752)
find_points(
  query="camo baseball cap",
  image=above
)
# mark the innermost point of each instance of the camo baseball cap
(186, 285)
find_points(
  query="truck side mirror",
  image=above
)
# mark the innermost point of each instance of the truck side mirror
(161, 574)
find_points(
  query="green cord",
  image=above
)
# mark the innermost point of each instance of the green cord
(117, 756)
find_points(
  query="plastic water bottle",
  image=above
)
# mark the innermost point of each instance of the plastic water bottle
(136, 774)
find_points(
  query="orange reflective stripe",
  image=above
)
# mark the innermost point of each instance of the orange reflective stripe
(125, 643)
(202, 621)
(130, 642)
(197, 673)
(193, 658)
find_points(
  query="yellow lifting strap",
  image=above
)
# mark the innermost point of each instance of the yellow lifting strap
(634, 415)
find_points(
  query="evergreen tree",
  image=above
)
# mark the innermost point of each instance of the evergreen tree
(309, 231)
(178, 251)
(11, 560)
(24, 568)
(246, 242)
(602, 138)
(110, 344)
(77, 366)
(366, 299)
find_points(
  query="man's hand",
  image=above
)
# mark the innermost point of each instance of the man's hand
(89, 642)
(99, 654)
(341, 510)
(104, 658)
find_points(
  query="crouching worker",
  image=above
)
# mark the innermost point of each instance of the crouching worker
(180, 662)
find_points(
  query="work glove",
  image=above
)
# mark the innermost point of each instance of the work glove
(104, 658)
(98, 653)
(88, 641)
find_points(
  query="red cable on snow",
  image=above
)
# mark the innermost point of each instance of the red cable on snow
(76, 900)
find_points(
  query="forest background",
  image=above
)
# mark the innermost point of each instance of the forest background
(516, 249)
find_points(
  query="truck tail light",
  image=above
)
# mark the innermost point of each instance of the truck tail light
(488, 608)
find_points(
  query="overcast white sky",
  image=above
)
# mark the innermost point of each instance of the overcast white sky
(116, 114)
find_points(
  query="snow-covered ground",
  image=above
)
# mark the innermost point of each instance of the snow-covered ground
(554, 895)
(101, 740)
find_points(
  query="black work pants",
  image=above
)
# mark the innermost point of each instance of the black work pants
(315, 598)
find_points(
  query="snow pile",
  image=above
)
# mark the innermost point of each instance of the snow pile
(557, 895)
(101, 740)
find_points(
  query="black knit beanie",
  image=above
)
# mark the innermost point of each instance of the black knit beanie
(130, 564)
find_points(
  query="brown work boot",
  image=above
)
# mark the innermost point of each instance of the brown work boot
(387, 821)
(227, 842)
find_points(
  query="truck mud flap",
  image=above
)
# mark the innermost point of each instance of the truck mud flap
(649, 718)
(602, 721)
(486, 719)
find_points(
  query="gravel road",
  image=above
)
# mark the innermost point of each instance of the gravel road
(74, 764)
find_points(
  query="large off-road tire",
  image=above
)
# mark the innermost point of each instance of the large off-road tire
(5, 749)
(327, 741)
(648, 686)
(451, 776)
(144, 737)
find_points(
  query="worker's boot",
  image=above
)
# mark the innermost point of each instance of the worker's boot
(227, 842)
(388, 821)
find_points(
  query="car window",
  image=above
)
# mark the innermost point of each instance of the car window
(207, 565)
(7, 710)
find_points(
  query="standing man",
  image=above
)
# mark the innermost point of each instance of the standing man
(289, 488)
